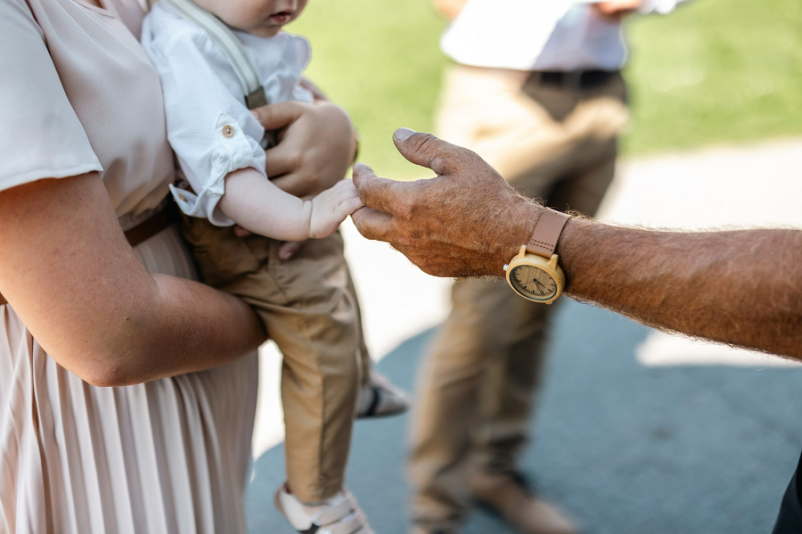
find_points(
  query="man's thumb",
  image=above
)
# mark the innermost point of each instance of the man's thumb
(426, 150)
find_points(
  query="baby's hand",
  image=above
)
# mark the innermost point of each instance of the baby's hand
(331, 207)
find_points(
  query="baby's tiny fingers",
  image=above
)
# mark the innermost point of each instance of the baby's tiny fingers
(345, 187)
(351, 205)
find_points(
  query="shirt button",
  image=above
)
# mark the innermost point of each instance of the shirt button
(228, 131)
(182, 197)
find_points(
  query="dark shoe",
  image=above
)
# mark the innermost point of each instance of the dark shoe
(507, 496)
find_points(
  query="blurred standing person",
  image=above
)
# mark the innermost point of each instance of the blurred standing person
(537, 92)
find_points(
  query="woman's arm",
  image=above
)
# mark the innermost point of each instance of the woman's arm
(71, 276)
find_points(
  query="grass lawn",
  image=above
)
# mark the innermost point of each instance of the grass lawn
(715, 71)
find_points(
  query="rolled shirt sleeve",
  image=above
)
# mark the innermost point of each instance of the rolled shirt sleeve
(209, 127)
(42, 136)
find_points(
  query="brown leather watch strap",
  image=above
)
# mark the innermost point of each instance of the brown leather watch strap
(547, 232)
(143, 231)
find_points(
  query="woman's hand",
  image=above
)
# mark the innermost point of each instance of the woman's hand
(317, 145)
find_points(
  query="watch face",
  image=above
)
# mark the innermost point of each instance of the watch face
(533, 283)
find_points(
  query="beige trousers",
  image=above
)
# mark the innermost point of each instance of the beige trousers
(477, 386)
(309, 308)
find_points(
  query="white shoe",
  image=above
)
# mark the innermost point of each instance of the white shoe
(337, 515)
(380, 398)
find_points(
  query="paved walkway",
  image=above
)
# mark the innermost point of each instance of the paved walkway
(638, 431)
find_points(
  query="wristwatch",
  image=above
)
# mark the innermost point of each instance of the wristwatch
(534, 273)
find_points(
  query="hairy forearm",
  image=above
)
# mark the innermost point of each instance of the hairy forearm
(739, 287)
(736, 287)
(258, 205)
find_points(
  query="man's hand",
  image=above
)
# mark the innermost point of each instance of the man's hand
(615, 10)
(738, 287)
(467, 221)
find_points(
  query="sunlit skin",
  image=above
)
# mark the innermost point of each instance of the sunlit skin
(737, 287)
(263, 18)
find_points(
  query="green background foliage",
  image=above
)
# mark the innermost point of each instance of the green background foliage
(714, 71)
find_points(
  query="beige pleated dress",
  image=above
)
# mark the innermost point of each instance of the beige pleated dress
(77, 94)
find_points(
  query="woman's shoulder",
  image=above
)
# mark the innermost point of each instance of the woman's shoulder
(81, 94)
(48, 140)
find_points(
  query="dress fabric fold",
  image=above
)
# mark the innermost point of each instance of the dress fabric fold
(168, 456)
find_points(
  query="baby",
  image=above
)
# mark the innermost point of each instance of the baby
(307, 304)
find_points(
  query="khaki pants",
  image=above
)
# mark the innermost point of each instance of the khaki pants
(309, 308)
(477, 386)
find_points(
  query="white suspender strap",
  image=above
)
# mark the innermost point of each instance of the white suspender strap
(229, 44)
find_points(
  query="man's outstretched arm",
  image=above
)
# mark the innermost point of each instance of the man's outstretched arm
(739, 287)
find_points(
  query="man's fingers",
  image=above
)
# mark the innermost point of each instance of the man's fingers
(382, 194)
(372, 224)
(278, 115)
(362, 173)
(428, 151)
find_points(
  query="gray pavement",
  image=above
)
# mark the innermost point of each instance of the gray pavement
(624, 448)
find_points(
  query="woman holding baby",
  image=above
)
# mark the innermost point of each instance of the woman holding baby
(97, 288)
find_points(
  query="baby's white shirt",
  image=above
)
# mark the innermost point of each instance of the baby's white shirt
(209, 125)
